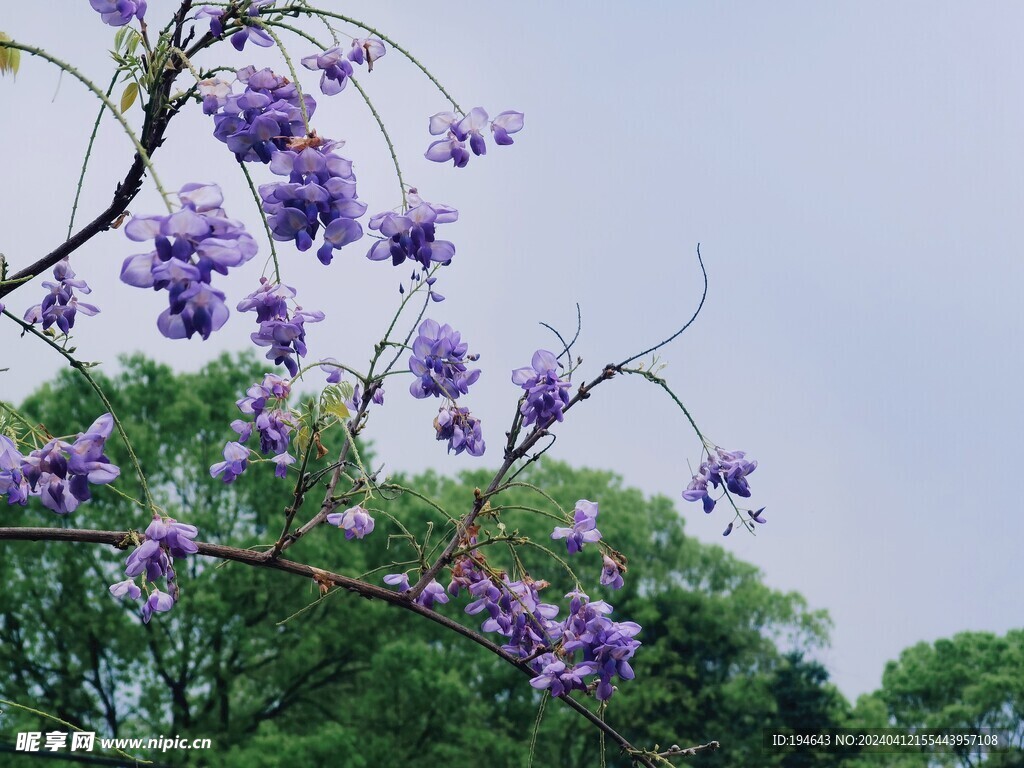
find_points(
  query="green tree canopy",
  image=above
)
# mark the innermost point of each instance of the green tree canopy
(273, 673)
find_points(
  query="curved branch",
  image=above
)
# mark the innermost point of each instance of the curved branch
(65, 67)
(689, 322)
(416, 62)
(120, 540)
(152, 137)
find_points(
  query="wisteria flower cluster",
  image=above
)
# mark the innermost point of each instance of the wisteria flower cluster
(355, 402)
(605, 645)
(273, 423)
(546, 394)
(584, 527)
(59, 473)
(191, 244)
(458, 131)
(462, 431)
(281, 329)
(262, 119)
(413, 235)
(355, 522)
(587, 644)
(117, 13)
(432, 593)
(60, 305)
(722, 468)
(166, 540)
(250, 32)
(611, 572)
(438, 361)
(335, 65)
(321, 190)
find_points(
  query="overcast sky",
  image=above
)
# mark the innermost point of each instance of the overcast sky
(853, 172)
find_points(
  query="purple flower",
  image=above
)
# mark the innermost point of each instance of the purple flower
(367, 49)
(281, 463)
(215, 93)
(336, 69)
(260, 121)
(215, 15)
(697, 490)
(12, 480)
(86, 457)
(126, 587)
(515, 611)
(438, 360)
(334, 371)
(412, 235)
(469, 128)
(457, 131)
(606, 644)
(148, 558)
(610, 574)
(757, 517)
(584, 527)
(733, 468)
(320, 191)
(432, 593)
(165, 540)
(252, 32)
(175, 537)
(504, 124)
(274, 424)
(722, 468)
(546, 394)
(60, 305)
(556, 676)
(158, 602)
(461, 430)
(117, 13)
(191, 244)
(236, 459)
(399, 580)
(59, 472)
(281, 330)
(356, 522)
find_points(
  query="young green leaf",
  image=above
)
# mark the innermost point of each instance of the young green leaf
(129, 96)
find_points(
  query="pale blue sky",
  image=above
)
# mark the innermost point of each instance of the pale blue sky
(852, 170)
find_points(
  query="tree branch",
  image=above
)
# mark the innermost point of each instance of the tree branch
(121, 540)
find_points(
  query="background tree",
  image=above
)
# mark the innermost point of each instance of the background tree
(973, 681)
(263, 666)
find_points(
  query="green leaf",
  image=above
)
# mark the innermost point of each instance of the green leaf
(129, 96)
(338, 409)
(334, 398)
(133, 42)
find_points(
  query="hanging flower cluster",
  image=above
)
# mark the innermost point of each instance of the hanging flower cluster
(335, 65)
(281, 329)
(260, 120)
(273, 423)
(191, 244)
(320, 191)
(166, 540)
(469, 128)
(59, 473)
(60, 305)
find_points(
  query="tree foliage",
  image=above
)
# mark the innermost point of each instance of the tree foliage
(261, 664)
